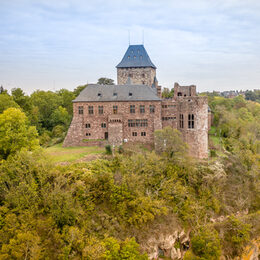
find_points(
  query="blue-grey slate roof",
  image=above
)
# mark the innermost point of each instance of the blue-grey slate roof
(103, 93)
(136, 57)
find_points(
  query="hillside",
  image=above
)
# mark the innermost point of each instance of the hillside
(134, 203)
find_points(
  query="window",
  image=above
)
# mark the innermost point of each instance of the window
(141, 57)
(152, 109)
(130, 75)
(103, 125)
(134, 133)
(114, 109)
(128, 57)
(134, 57)
(142, 109)
(100, 110)
(88, 125)
(88, 134)
(115, 94)
(80, 108)
(179, 94)
(143, 75)
(90, 110)
(130, 94)
(190, 121)
(137, 122)
(143, 82)
(99, 94)
(143, 133)
(181, 121)
(132, 109)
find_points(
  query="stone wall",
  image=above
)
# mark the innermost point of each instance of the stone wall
(139, 76)
(197, 137)
(116, 125)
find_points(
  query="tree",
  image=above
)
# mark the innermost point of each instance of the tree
(78, 89)
(7, 101)
(47, 102)
(169, 141)
(206, 244)
(105, 81)
(15, 133)
(66, 99)
(60, 116)
(21, 99)
(166, 93)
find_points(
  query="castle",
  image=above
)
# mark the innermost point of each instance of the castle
(132, 110)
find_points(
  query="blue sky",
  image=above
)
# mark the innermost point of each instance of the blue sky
(51, 44)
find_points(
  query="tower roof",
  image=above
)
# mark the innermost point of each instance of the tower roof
(135, 57)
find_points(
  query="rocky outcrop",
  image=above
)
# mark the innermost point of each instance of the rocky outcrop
(172, 245)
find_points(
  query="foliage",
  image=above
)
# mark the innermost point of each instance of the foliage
(105, 81)
(108, 149)
(166, 93)
(6, 102)
(169, 141)
(15, 133)
(206, 244)
(237, 234)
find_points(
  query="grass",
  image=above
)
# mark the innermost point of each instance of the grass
(71, 154)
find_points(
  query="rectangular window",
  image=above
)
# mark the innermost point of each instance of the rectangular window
(90, 110)
(87, 125)
(114, 109)
(143, 133)
(100, 110)
(152, 109)
(181, 121)
(134, 133)
(137, 122)
(132, 109)
(103, 125)
(190, 121)
(88, 134)
(142, 109)
(80, 108)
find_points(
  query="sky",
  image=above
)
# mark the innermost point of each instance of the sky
(54, 44)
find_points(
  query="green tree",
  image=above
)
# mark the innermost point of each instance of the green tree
(105, 81)
(15, 133)
(66, 99)
(60, 116)
(21, 99)
(206, 244)
(7, 101)
(166, 93)
(169, 142)
(78, 89)
(47, 102)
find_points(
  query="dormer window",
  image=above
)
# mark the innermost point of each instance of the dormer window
(138, 51)
(115, 94)
(99, 94)
(130, 94)
(128, 57)
(132, 51)
(134, 57)
(141, 57)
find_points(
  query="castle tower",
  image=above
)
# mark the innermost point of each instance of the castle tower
(137, 65)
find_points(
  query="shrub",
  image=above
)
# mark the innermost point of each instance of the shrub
(206, 244)
(108, 149)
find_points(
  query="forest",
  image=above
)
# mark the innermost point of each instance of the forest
(114, 206)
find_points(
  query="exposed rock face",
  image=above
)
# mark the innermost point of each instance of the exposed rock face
(169, 245)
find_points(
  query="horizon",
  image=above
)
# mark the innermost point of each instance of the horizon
(50, 45)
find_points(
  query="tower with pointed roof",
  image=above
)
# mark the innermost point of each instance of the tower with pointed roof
(137, 65)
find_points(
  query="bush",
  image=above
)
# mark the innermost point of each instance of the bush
(108, 149)
(206, 244)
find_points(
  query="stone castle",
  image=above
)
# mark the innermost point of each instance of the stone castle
(132, 110)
